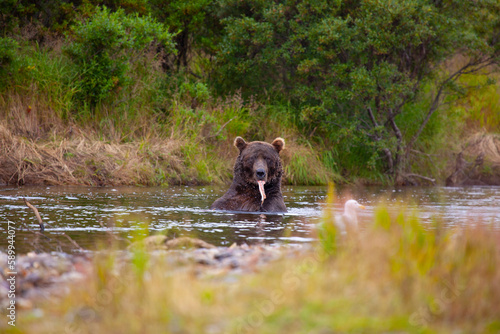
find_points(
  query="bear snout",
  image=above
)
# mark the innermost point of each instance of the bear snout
(261, 174)
(260, 170)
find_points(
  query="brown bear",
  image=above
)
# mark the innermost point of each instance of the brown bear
(257, 179)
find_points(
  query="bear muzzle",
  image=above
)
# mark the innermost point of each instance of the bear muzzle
(260, 174)
(260, 171)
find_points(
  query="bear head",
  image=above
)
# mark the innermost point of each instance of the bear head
(258, 161)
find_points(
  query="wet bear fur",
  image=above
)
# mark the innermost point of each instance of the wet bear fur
(257, 161)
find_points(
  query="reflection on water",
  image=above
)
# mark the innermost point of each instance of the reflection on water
(89, 215)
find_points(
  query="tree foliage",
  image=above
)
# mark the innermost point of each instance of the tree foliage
(195, 24)
(8, 58)
(104, 47)
(354, 64)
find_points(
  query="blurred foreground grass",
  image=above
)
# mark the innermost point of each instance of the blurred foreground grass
(393, 277)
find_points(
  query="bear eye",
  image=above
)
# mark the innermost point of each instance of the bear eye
(249, 162)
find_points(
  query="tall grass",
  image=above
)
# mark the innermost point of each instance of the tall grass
(394, 276)
(479, 108)
(303, 167)
(39, 105)
(159, 129)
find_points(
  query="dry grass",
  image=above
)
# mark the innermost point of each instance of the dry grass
(479, 161)
(37, 146)
(485, 144)
(45, 138)
(77, 157)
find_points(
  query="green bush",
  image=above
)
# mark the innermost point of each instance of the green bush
(349, 67)
(8, 59)
(196, 26)
(56, 16)
(105, 46)
(8, 21)
(480, 106)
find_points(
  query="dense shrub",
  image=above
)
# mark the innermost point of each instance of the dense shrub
(197, 27)
(349, 67)
(8, 58)
(56, 16)
(106, 45)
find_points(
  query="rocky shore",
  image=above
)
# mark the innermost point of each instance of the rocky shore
(44, 276)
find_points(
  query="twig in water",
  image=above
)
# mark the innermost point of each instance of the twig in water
(73, 242)
(37, 214)
(42, 226)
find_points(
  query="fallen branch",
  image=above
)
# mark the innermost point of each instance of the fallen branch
(38, 248)
(42, 226)
(433, 181)
(422, 153)
(73, 242)
(37, 214)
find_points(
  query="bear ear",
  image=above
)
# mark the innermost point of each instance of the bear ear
(240, 143)
(279, 144)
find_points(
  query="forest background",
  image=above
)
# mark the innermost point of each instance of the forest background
(151, 92)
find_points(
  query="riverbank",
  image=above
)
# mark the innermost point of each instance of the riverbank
(191, 147)
(168, 129)
(392, 277)
(195, 147)
(76, 157)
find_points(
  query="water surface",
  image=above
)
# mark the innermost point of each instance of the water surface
(95, 216)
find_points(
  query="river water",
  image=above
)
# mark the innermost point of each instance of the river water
(95, 216)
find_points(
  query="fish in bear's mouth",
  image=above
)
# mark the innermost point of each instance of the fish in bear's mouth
(262, 192)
